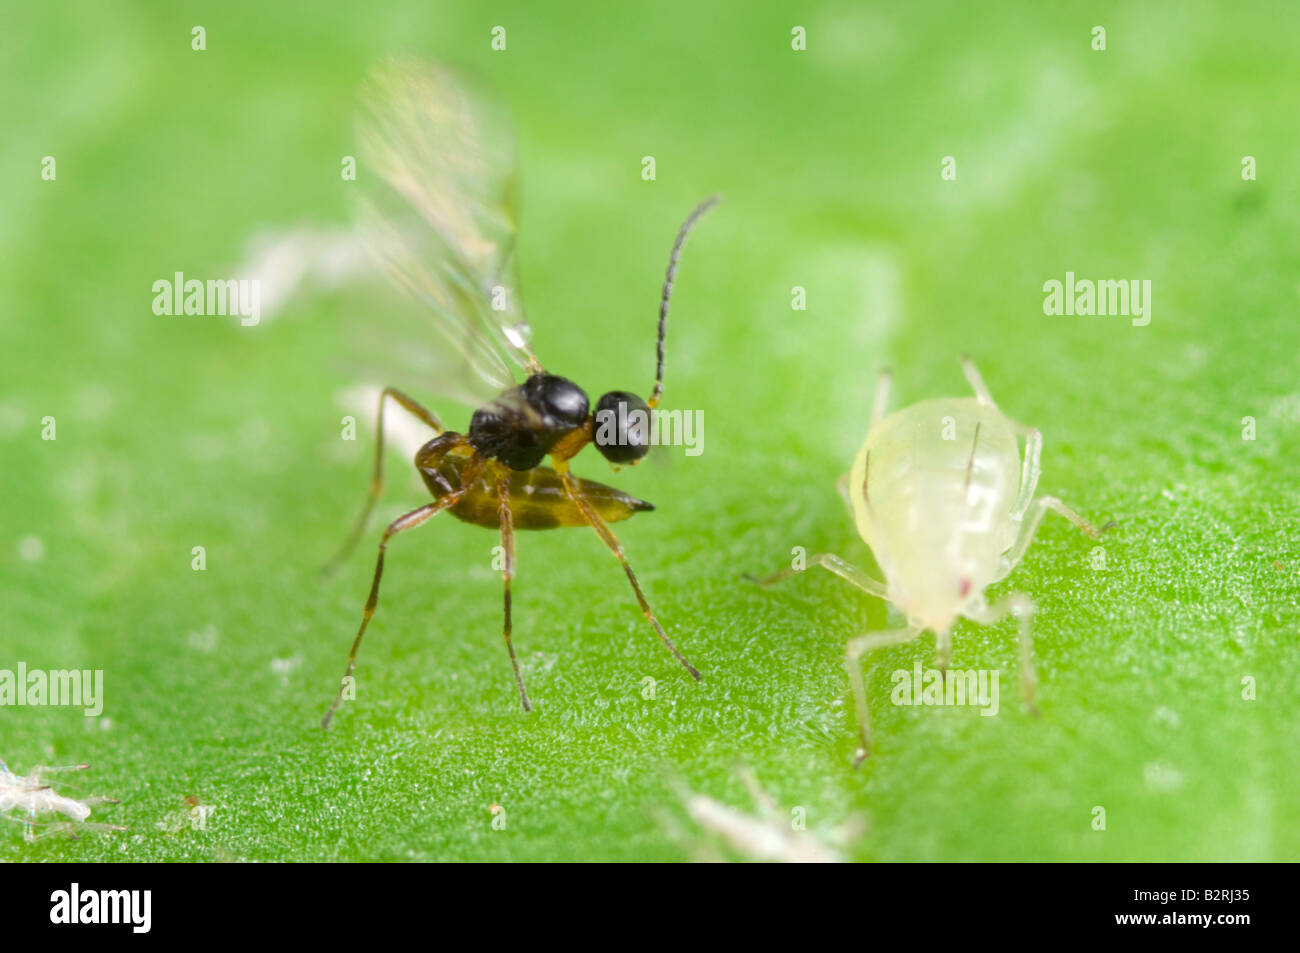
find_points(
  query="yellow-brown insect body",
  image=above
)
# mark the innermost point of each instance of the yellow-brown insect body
(538, 499)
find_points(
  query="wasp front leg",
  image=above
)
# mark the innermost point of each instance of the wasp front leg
(602, 529)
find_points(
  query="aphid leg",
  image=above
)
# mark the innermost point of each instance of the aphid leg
(881, 401)
(415, 409)
(842, 487)
(598, 524)
(943, 652)
(76, 830)
(1030, 471)
(99, 799)
(976, 381)
(833, 564)
(1030, 526)
(404, 522)
(508, 545)
(1023, 608)
(36, 830)
(41, 770)
(853, 652)
(767, 808)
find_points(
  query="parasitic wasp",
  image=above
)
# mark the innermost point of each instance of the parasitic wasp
(442, 222)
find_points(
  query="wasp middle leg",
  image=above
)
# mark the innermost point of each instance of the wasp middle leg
(506, 517)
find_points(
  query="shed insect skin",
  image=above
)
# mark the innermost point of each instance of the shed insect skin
(945, 519)
(766, 835)
(24, 799)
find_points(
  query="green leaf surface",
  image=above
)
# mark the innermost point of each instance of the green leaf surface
(176, 432)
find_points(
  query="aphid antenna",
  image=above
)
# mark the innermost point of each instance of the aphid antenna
(687, 225)
(970, 464)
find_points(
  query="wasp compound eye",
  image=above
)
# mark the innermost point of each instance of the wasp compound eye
(622, 427)
(561, 401)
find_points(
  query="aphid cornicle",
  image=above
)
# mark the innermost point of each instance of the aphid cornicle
(443, 155)
(940, 493)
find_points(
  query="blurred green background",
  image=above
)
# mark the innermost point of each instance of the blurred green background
(176, 432)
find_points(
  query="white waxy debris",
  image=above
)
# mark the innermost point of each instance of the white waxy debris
(31, 549)
(767, 835)
(284, 667)
(33, 803)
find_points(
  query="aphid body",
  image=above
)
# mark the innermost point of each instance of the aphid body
(938, 509)
(944, 498)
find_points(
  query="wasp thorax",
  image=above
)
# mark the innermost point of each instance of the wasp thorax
(561, 402)
(521, 426)
(622, 427)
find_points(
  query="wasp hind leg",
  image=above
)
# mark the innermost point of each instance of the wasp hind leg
(400, 525)
(602, 529)
(508, 546)
(421, 413)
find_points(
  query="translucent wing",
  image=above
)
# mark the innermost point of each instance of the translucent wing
(439, 215)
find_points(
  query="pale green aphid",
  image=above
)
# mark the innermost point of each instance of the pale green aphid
(941, 494)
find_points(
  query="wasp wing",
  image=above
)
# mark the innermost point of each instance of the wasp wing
(439, 214)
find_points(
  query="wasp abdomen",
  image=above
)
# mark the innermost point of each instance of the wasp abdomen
(537, 497)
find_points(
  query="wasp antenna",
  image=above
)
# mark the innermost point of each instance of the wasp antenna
(687, 225)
